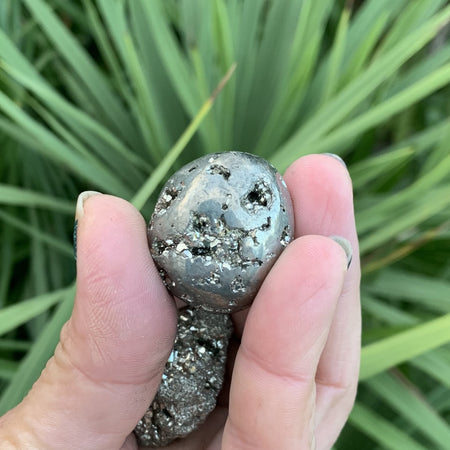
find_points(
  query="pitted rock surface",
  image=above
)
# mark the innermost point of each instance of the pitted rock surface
(192, 378)
(218, 227)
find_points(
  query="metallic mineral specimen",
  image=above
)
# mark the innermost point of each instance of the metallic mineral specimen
(218, 226)
(192, 378)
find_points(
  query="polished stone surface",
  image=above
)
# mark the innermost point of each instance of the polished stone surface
(219, 225)
(192, 378)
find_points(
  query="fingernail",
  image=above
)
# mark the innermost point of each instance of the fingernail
(333, 155)
(346, 246)
(79, 213)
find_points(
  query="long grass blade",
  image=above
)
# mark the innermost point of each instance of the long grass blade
(158, 174)
(436, 364)
(31, 366)
(77, 58)
(381, 430)
(358, 90)
(80, 122)
(11, 195)
(404, 399)
(384, 111)
(13, 316)
(382, 355)
(8, 369)
(414, 288)
(37, 233)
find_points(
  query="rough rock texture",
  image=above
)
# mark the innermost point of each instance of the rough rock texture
(218, 227)
(192, 378)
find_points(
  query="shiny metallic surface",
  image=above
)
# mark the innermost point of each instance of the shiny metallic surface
(192, 378)
(219, 225)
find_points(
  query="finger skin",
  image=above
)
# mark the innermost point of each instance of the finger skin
(273, 389)
(112, 351)
(321, 192)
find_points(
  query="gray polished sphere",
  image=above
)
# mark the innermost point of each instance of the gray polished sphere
(219, 225)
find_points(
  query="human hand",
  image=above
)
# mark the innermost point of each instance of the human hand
(294, 377)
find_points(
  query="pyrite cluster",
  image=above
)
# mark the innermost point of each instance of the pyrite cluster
(192, 378)
(218, 227)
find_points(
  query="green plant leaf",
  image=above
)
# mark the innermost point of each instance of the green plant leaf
(384, 354)
(381, 430)
(13, 316)
(372, 169)
(42, 349)
(427, 292)
(158, 174)
(7, 369)
(412, 407)
(61, 246)
(52, 147)
(79, 61)
(384, 111)
(398, 220)
(357, 91)
(436, 364)
(11, 195)
(14, 345)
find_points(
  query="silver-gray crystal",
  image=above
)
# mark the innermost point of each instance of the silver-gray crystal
(192, 378)
(218, 226)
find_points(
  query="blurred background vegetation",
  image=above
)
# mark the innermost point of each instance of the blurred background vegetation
(110, 95)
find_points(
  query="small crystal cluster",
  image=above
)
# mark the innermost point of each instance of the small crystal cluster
(192, 378)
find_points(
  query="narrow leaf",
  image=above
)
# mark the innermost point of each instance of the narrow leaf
(158, 174)
(381, 430)
(404, 399)
(13, 316)
(382, 355)
(34, 362)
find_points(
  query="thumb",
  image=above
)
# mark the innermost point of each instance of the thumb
(108, 363)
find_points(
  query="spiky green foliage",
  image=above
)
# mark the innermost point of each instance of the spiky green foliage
(110, 95)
